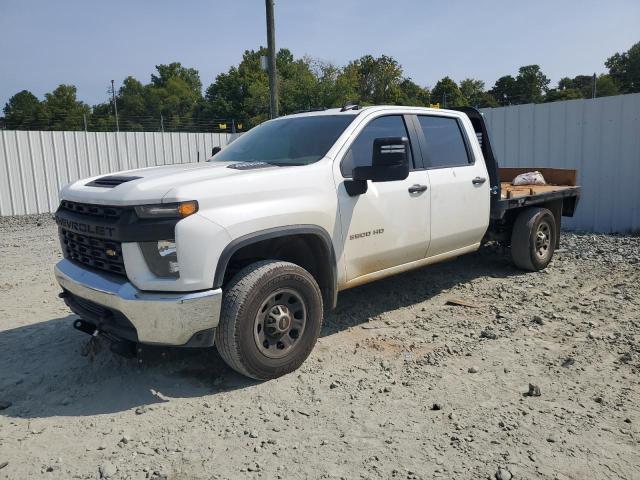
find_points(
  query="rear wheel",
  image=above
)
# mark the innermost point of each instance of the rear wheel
(533, 239)
(270, 320)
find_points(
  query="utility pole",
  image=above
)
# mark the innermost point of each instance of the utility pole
(271, 47)
(594, 89)
(115, 107)
(161, 123)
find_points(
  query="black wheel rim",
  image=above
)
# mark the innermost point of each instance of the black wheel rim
(543, 239)
(280, 323)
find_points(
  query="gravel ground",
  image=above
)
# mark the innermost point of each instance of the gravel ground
(538, 379)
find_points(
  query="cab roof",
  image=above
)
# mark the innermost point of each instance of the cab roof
(372, 108)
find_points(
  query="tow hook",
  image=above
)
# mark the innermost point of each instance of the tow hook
(118, 346)
(86, 327)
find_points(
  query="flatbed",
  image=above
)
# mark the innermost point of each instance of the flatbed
(561, 184)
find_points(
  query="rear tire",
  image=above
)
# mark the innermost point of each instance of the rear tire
(533, 239)
(270, 320)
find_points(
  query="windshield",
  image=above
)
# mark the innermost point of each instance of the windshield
(287, 141)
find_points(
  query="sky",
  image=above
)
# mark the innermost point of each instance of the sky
(44, 43)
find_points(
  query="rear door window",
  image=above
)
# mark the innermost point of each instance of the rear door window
(445, 142)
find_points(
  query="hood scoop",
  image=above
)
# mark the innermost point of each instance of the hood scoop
(249, 165)
(110, 181)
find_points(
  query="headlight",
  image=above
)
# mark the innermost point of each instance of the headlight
(161, 258)
(167, 210)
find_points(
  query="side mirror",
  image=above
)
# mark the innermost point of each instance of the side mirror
(389, 162)
(215, 150)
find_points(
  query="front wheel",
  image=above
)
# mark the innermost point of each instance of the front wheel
(270, 319)
(533, 239)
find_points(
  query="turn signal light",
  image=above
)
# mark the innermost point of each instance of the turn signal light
(167, 210)
(187, 208)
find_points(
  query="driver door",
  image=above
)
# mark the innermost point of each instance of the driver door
(389, 224)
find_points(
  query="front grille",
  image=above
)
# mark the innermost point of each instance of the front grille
(99, 211)
(94, 252)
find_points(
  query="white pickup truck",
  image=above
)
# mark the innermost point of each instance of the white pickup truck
(247, 250)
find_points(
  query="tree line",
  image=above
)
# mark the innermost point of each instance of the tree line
(174, 100)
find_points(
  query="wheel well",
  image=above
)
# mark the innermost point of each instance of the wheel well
(307, 250)
(500, 230)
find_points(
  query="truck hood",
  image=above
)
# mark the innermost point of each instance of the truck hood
(154, 183)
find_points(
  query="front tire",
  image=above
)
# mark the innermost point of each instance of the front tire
(270, 320)
(533, 239)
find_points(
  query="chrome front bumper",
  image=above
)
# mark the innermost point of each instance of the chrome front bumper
(158, 317)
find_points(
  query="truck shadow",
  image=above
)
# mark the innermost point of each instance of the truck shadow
(356, 306)
(47, 369)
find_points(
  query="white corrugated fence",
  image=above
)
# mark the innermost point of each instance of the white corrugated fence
(35, 165)
(599, 137)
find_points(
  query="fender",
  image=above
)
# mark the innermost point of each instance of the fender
(270, 233)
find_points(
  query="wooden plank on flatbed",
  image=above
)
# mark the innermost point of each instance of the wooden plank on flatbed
(553, 176)
(514, 191)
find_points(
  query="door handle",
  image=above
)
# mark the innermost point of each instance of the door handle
(417, 188)
(478, 180)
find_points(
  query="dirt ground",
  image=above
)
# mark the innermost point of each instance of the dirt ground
(401, 384)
